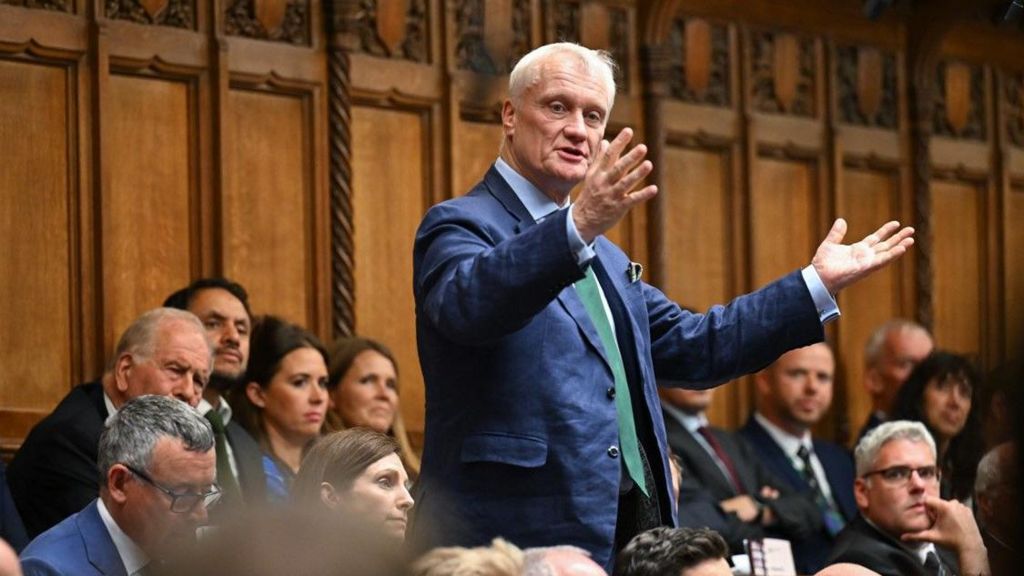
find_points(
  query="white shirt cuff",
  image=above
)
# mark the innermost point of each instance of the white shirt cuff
(826, 305)
(584, 253)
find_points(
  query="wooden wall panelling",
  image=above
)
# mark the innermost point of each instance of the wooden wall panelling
(149, 88)
(787, 151)
(869, 163)
(399, 151)
(40, 203)
(961, 190)
(694, 238)
(1012, 153)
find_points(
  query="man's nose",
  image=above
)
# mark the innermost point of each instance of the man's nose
(230, 333)
(576, 126)
(189, 392)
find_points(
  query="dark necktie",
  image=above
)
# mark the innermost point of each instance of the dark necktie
(225, 476)
(589, 292)
(833, 520)
(724, 458)
(932, 566)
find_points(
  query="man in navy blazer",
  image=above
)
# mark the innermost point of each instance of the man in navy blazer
(792, 395)
(160, 469)
(539, 342)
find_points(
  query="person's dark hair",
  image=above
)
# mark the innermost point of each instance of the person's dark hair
(183, 298)
(960, 462)
(665, 550)
(272, 339)
(339, 458)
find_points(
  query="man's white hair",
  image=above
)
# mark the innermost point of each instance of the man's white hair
(527, 70)
(993, 466)
(873, 348)
(867, 449)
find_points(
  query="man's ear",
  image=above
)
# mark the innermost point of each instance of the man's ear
(329, 496)
(761, 382)
(122, 370)
(508, 118)
(117, 478)
(873, 382)
(860, 493)
(254, 393)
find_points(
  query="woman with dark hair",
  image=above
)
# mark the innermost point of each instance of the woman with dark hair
(283, 401)
(357, 472)
(364, 392)
(940, 394)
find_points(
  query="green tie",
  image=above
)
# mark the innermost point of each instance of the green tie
(590, 294)
(225, 476)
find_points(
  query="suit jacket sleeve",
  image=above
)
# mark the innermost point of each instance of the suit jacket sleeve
(797, 516)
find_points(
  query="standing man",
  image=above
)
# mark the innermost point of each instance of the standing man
(539, 342)
(223, 308)
(157, 461)
(904, 528)
(892, 351)
(53, 475)
(746, 500)
(792, 396)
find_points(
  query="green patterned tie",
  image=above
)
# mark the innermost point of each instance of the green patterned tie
(590, 293)
(225, 476)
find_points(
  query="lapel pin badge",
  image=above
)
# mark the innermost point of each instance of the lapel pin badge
(635, 270)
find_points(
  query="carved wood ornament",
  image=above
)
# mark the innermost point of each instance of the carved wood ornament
(276, 20)
(1013, 90)
(594, 25)
(960, 103)
(56, 5)
(491, 34)
(866, 82)
(700, 54)
(390, 28)
(783, 74)
(174, 13)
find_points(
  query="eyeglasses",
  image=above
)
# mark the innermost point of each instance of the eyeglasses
(899, 475)
(181, 502)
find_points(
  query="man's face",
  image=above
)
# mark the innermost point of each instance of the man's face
(149, 520)
(712, 567)
(797, 389)
(179, 366)
(902, 350)
(554, 130)
(898, 507)
(227, 326)
(689, 401)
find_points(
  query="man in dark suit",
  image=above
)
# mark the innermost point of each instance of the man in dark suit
(890, 355)
(539, 341)
(160, 468)
(223, 308)
(53, 474)
(749, 501)
(904, 528)
(997, 502)
(792, 395)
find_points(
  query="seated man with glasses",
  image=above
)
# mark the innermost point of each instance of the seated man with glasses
(157, 459)
(904, 528)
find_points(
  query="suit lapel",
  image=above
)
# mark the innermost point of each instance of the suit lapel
(99, 546)
(775, 457)
(703, 465)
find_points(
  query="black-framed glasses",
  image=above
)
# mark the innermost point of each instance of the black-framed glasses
(899, 475)
(181, 502)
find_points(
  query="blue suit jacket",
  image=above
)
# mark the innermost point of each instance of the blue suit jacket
(809, 553)
(520, 410)
(79, 545)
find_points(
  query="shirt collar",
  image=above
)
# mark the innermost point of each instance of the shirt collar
(689, 421)
(790, 444)
(133, 557)
(223, 408)
(111, 410)
(536, 202)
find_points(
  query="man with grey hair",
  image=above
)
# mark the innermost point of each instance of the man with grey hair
(539, 341)
(904, 528)
(891, 353)
(53, 475)
(157, 462)
(997, 500)
(559, 561)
